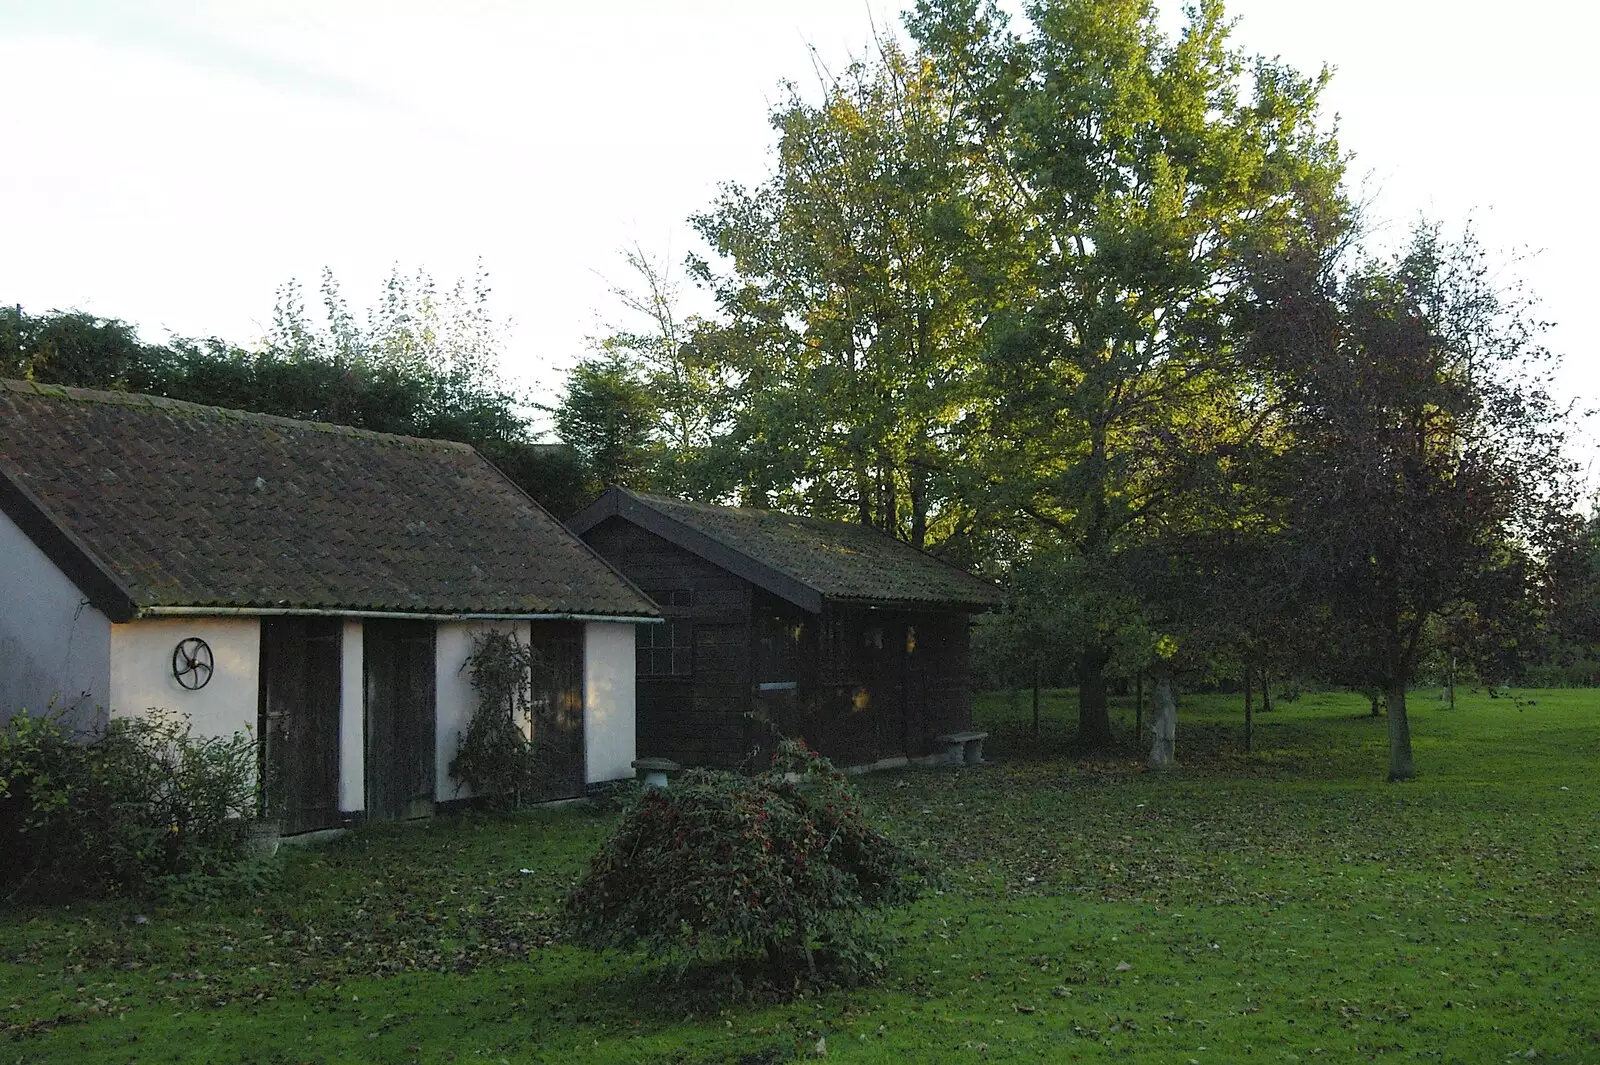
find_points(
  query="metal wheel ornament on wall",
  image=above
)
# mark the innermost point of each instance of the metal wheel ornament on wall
(192, 663)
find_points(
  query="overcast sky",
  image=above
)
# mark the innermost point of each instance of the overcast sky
(171, 162)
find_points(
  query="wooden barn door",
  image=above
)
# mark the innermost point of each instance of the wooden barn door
(401, 714)
(556, 708)
(299, 721)
(937, 695)
(777, 680)
(887, 667)
(919, 658)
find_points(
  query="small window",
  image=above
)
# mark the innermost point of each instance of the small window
(667, 649)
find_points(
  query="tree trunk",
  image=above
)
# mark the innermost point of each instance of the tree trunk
(889, 512)
(1377, 702)
(1138, 708)
(1163, 725)
(1400, 765)
(1094, 720)
(1037, 668)
(1266, 692)
(1249, 718)
(1451, 678)
(919, 506)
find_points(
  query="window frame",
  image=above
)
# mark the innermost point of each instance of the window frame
(669, 642)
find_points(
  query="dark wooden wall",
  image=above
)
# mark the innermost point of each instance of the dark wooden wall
(867, 684)
(783, 649)
(940, 677)
(888, 683)
(703, 718)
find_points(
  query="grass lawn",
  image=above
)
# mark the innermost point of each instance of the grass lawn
(1282, 906)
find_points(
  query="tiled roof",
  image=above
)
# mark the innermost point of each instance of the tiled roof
(836, 561)
(178, 505)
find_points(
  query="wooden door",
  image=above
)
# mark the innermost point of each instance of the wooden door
(400, 718)
(299, 721)
(886, 668)
(555, 709)
(937, 698)
(777, 638)
(913, 688)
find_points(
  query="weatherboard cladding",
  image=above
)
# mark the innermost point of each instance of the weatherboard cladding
(193, 506)
(836, 561)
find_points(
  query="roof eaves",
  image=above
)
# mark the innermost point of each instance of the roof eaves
(957, 605)
(412, 615)
(602, 508)
(70, 555)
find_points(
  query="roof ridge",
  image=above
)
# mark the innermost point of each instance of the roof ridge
(821, 525)
(759, 512)
(145, 399)
(827, 523)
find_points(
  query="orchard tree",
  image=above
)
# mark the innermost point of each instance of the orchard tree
(1426, 464)
(1572, 605)
(1140, 175)
(1047, 618)
(1218, 604)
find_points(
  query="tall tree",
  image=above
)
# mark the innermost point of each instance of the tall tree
(848, 322)
(607, 414)
(1142, 175)
(73, 348)
(688, 389)
(1427, 470)
(1571, 616)
(425, 364)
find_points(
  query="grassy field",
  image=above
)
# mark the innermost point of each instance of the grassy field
(1282, 906)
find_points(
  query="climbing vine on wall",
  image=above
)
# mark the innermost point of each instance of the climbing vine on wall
(498, 757)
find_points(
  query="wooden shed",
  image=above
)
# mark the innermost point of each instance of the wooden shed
(778, 624)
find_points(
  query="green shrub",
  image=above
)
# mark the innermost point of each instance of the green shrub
(121, 808)
(778, 874)
(252, 875)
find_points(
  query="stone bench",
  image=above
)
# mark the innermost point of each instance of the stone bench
(964, 748)
(654, 771)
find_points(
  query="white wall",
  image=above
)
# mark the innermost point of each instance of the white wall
(55, 649)
(455, 698)
(141, 671)
(608, 701)
(352, 720)
(141, 678)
